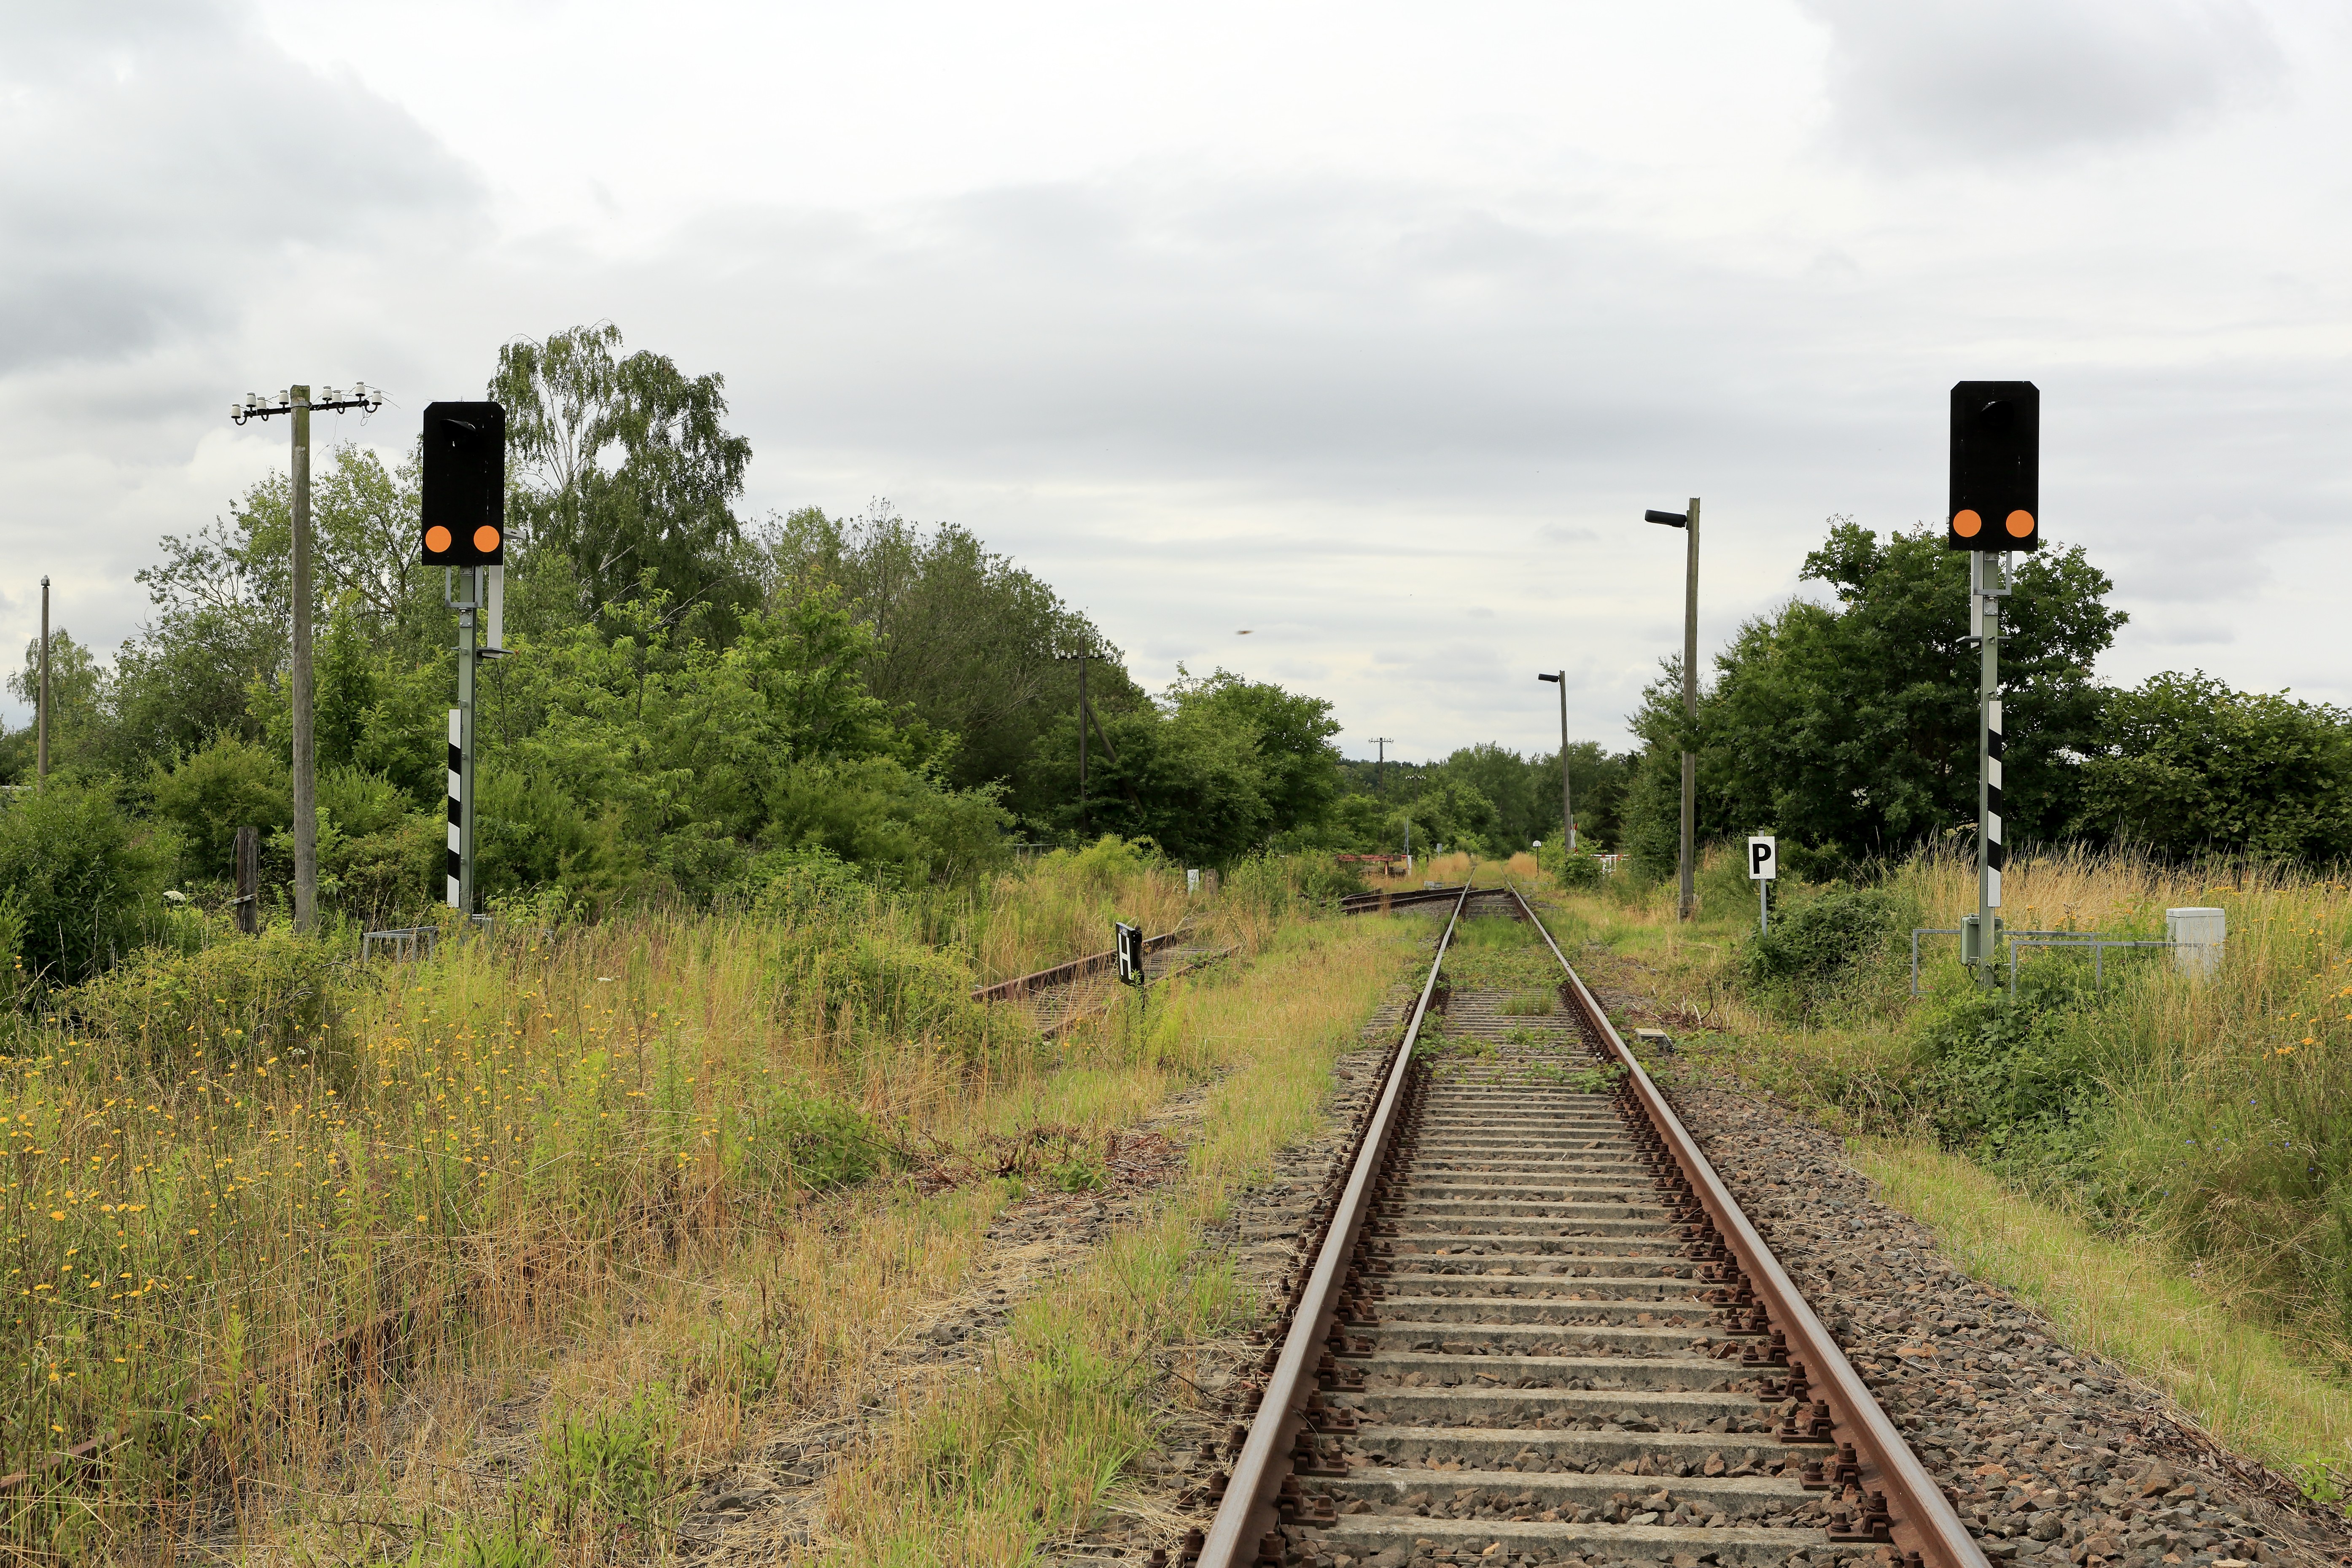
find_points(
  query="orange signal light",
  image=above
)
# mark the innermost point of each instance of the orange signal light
(1967, 523)
(437, 539)
(2020, 524)
(486, 538)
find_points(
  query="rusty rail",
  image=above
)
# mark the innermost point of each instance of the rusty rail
(1063, 973)
(1381, 898)
(1921, 1518)
(1250, 1508)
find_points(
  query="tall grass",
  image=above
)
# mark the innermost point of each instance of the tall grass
(2227, 1126)
(983, 1468)
(249, 1181)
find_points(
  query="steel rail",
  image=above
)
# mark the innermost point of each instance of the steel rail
(1380, 899)
(1063, 973)
(1922, 1518)
(1249, 1509)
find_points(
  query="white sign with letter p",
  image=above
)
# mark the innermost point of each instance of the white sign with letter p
(1763, 857)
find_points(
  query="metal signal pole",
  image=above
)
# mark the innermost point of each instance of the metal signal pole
(1380, 762)
(297, 402)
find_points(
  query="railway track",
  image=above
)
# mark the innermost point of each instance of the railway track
(1531, 1325)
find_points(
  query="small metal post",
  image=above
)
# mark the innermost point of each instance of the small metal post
(1763, 907)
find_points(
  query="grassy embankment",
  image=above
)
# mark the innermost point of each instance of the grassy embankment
(2162, 1164)
(607, 1197)
(981, 1467)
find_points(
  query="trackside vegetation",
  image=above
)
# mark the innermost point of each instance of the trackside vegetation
(2192, 1129)
(258, 1204)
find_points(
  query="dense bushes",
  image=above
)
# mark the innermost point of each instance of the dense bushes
(82, 882)
(235, 999)
(2012, 1079)
(1818, 942)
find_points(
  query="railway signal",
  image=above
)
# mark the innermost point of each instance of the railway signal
(462, 526)
(1131, 952)
(464, 514)
(1994, 508)
(1995, 502)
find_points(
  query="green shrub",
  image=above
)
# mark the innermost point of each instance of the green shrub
(85, 882)
(1817, 944)
(208, 795)
(797, 1139)
(244, 997)
(1579, 871)
(2014, 1079)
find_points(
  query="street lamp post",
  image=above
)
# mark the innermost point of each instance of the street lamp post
(298, 401)
(1567, 802)
(1080, 656)
(1689, 522)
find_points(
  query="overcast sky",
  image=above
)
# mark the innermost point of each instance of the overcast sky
(1370, 328)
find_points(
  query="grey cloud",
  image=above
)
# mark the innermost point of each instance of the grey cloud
(161, 162)
(2006, 79)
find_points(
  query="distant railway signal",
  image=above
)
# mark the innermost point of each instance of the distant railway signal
(465, 500)
(1996, 486)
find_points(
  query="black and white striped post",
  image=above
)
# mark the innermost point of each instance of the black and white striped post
(1988, 585)
(457, 868)
(461, 749)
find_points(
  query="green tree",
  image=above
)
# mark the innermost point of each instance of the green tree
(1298, 773)
(1853, 726)
(623, 468)
(2184, 764)
(80, 693)
(964, 641)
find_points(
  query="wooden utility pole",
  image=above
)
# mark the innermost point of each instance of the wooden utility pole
(306, 784)
(296, 403)
(42, 766)
(249, 879)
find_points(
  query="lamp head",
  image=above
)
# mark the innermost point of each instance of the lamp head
(1671, 519)
(1551, 678)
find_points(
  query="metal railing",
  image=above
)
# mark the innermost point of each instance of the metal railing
(2097, 941)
